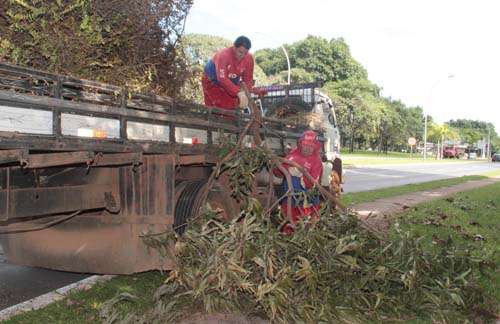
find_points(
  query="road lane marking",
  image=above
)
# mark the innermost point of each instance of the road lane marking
(376, 174)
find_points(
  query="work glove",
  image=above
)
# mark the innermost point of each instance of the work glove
(294, 172)
(243, 99)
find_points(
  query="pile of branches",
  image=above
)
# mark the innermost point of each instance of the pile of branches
(131, 43)
(295, 111)
(327, 271)
(333, 270)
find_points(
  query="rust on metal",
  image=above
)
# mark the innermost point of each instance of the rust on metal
(101, 159)
(28, 202)
(58, 159)
(9, 156)
(192, 159)
(87, 243)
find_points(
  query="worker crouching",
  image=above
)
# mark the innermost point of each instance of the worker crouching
(306, 155)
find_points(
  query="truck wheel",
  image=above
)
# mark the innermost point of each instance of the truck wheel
(189, 202)
(185, 205)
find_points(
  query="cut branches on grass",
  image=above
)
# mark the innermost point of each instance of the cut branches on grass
(329, 270)
(470, 219)
(340, 262)
(332, 270)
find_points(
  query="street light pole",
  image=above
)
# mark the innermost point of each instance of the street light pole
(426, 115)
(489, 144)
(351, 115)
(286, 56)
(425, 137)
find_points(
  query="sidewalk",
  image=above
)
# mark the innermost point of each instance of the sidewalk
(377, 213)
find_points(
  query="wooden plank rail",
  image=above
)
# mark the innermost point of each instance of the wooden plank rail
(22, 87)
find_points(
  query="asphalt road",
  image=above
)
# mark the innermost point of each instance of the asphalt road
(383, 176)
(18, 283)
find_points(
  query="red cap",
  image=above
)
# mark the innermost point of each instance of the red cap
(309, 138)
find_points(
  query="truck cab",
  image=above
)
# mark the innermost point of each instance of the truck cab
(304, 103)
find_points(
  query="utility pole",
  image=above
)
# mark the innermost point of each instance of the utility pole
(488, 150)
(351, 115)
(426, 114)
(425, 137)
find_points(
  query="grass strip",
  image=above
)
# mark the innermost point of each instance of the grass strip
(84, 306)
(372, 195)
(470, 218)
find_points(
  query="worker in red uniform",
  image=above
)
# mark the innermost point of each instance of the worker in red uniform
(225, 72)
(307, 155)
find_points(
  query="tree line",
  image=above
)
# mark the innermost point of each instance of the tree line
(376, 122)
(141, 45)
(372, 120)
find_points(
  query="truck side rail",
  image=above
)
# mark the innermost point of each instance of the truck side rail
(112, 119)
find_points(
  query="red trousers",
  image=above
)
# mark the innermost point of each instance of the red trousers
(297, 213)
(216, 96)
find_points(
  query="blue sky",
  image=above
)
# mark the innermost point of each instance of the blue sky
(408, 47)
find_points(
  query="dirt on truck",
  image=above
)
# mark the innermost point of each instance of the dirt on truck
(86, 168)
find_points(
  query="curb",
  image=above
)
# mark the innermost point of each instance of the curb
(50, 297)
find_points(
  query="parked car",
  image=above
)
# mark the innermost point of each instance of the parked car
(472, 155)
(495, 157)
(450, 152)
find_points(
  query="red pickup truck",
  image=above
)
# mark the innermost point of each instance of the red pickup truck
(451, 152)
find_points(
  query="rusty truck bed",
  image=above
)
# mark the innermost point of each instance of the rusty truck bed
(86, 168)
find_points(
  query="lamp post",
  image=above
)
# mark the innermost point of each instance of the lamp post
(488, 149)
(284, 51)
(351, 119)
(426, 115)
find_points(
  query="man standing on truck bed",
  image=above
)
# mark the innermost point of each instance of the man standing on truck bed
(224, 73)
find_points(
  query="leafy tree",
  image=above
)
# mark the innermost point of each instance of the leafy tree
(125, 42)
(378, 122)
(200, 48)
(272, 61)
(471, 131)
(441, 133)
(297, 75)
(325, 60)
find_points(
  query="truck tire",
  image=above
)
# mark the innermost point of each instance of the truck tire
(189, 202)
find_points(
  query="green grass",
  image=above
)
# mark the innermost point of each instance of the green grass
(471, 217)
(366, 196)
(83, 306)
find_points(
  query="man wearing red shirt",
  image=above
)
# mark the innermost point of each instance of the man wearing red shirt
(225, 72)
(307, 155)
